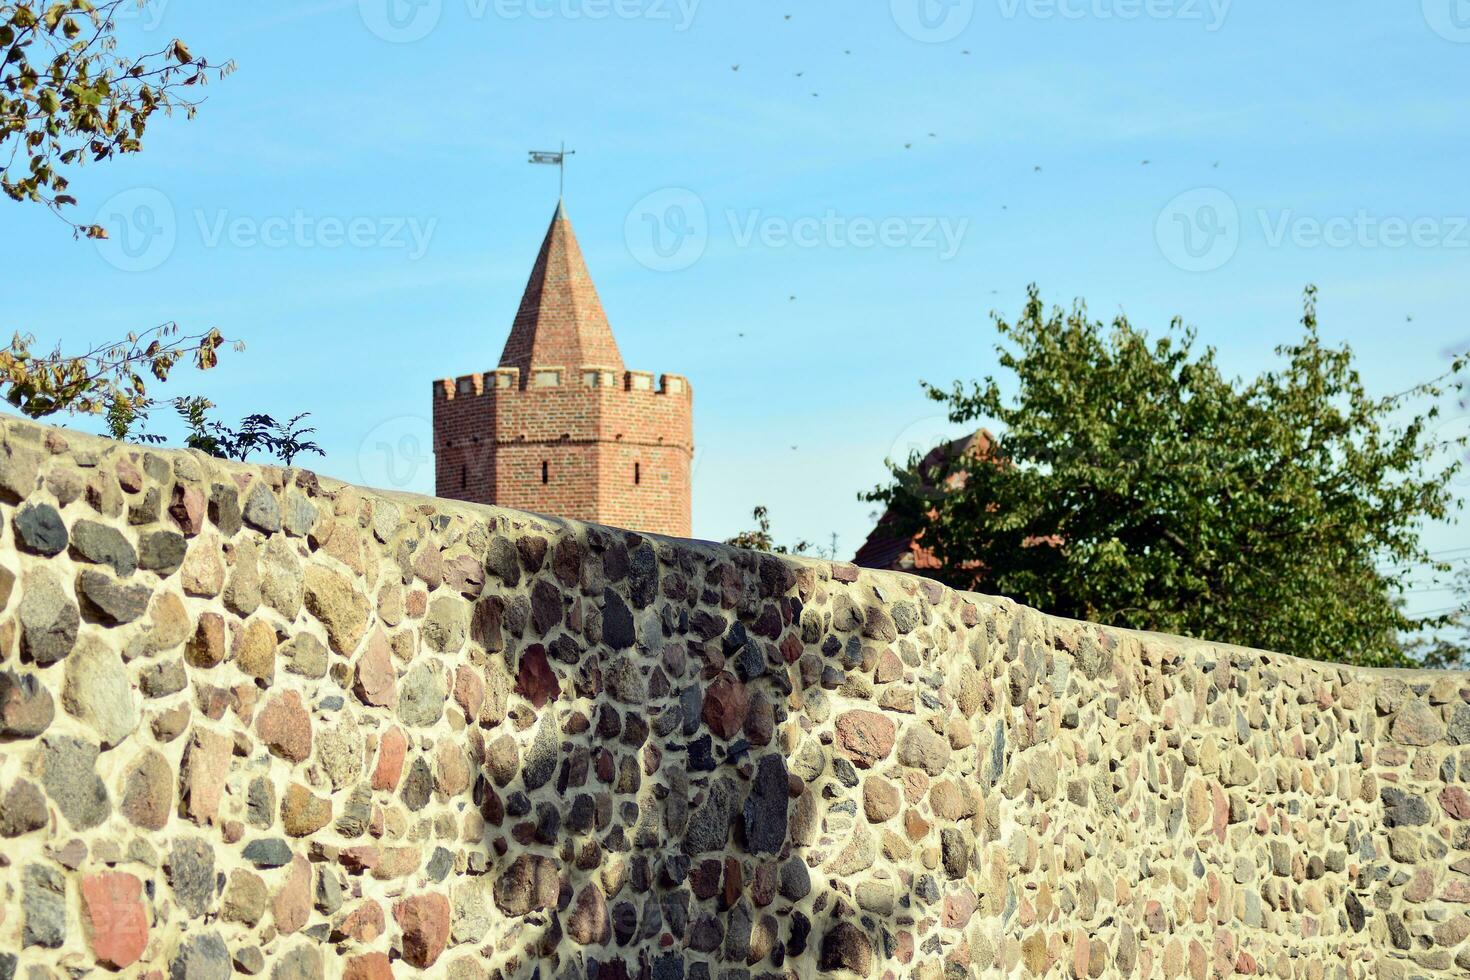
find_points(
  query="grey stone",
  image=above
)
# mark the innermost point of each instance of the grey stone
(765, 807)
(421, 696)
(262, 510)
(448, 624)
(96, 691)
(618, 630)
(190, 869)
(301, 963)
(305, 655)
(418, 785)
(1403, 809)
(643, 575)
(546, 606)
(43, 906)
(270, 852)
(441, 862)
(501, 561)
(162, 552)
(300, 516)
(159, 680)
(49, 619)
(224, 509)
(109, 601)
(541, 757)
(22, 809)
(102, 544)
(40, 530)
(709, 824)
(795, 879)
(1459, 728)
(200, 956)
(66, 766)
(328, 891)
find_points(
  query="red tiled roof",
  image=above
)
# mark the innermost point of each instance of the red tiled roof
(888, 548)
(561, 322)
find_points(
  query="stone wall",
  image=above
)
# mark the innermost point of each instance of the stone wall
(263, 724)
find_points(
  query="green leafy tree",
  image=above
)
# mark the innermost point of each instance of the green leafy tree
(1135, 484)
(68, 96)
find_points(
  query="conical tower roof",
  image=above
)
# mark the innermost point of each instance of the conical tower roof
(561, 322)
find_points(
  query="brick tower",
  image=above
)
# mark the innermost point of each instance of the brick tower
(561, 427)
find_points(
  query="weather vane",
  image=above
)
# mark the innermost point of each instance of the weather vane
(558, 159)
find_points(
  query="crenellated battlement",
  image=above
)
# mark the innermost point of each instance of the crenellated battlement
(507, 382)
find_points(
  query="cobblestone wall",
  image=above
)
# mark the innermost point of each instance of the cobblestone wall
(257, 723)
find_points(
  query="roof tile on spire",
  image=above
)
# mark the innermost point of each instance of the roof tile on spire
(561, 322)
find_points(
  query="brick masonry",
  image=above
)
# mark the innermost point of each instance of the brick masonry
(601, 444)
(257, 722)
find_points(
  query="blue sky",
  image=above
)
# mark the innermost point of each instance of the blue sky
(354, 202)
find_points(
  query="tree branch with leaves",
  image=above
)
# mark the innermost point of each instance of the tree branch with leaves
(68, 96)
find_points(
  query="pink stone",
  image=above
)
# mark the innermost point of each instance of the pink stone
(292, 905)
(285, 726)
(392, 747)
(865, 737)
(364, 923)
(424, 920)
(725, 705)
(958, 908)
(535, 680)
(187, 509)
(205, 770)
(1456, 802)
(375, 682)
(469, 690)
(114, 917)
(369, 966)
